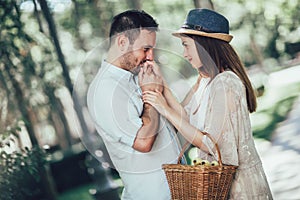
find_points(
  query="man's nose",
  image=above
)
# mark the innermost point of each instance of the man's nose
(150, 54)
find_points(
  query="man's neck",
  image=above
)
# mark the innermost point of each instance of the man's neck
(113, 57)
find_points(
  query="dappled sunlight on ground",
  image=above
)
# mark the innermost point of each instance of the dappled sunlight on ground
(284, 77)
(281, 157)
(282, 169)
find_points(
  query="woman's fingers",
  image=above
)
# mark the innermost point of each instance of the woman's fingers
(150, 92)
(150, 97)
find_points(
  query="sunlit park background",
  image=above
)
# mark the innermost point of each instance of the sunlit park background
(50, 51)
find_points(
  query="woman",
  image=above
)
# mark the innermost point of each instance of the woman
(219, 103)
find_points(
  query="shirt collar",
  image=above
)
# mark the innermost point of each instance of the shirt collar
(117, 71)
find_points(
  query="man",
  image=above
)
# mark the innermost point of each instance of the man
(137, 138)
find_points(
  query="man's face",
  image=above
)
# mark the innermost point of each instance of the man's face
(140, 51)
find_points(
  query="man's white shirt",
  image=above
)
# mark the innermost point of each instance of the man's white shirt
(115, 105)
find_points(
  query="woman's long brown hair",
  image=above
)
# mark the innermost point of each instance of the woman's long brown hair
(224, 57)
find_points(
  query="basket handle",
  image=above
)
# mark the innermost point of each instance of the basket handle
(215, 144)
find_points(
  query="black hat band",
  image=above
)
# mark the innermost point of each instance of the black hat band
(197, 28)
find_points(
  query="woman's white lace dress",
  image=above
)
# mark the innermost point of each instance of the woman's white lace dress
(220, 108)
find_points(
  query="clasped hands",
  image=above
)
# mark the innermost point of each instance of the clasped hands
(150, 78)
(152, 85)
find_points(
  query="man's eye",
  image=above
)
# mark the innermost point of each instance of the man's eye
(146, 49)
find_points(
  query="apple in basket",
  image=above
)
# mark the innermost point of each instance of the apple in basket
(205, 163)
(197, 161)
(214, 163)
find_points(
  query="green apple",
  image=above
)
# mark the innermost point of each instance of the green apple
(197, 161)
(214, 163)
(205, 163)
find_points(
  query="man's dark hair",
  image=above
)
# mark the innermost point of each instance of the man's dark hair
(130, 22)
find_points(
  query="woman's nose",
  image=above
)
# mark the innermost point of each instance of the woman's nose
(185, 54)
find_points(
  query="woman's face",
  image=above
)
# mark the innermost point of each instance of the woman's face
(190, 52)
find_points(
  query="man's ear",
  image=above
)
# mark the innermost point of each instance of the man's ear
(123, 42)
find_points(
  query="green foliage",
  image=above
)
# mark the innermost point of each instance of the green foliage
(272, 117)
(273, 107)
(19, 170)
(15, 61)
(271, 25)
(20, 173)
(6, 136)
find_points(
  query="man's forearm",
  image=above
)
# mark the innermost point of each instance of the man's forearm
(150, 116)
(147, 133)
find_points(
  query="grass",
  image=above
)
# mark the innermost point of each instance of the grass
(78, 193)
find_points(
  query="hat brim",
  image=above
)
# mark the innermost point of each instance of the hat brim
(220, 36)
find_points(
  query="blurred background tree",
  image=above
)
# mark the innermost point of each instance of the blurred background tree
(51, 50)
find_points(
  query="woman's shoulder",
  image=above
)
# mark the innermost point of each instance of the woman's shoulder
(228, 79)
(228, 75)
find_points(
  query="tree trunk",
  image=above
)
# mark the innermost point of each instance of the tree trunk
(256, 50)
(37, 15)
(204, 4)
(103, 19)
(59, 116)
(76, 16)
(20, 100)
(53, 33)
(134, 4)
(61, 59)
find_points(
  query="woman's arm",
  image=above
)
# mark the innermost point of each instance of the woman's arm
(174, 104)
(189, 132)
(171, 100)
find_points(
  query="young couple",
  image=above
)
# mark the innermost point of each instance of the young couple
(135, 112)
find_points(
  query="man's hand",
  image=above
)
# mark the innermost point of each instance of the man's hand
(148, 79)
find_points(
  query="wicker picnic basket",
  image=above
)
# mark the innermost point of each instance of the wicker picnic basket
(199, 182)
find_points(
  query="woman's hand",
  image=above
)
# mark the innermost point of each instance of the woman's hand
(157, 100)
(149, 79)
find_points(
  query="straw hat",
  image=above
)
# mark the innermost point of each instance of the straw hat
(205, 23)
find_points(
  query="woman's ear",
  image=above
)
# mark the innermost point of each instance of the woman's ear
(122, 42)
